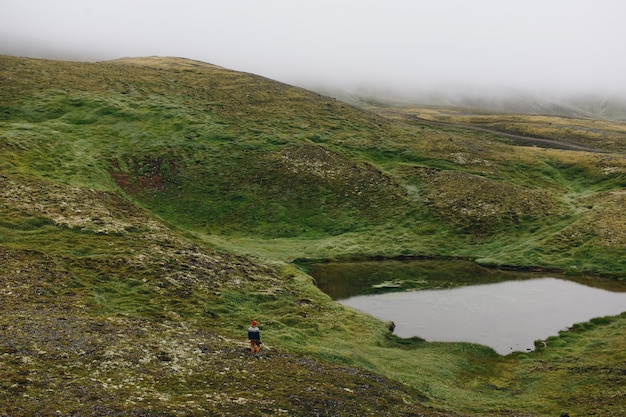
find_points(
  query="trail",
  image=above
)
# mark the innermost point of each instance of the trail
(522, 140)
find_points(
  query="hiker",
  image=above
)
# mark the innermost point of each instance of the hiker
(254, 335)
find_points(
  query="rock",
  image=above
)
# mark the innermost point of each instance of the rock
(391, 326)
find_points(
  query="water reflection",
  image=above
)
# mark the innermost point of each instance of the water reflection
(506, 315)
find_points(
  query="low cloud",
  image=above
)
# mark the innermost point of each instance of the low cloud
(484, 46)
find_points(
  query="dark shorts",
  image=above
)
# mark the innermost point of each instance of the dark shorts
(256, 342)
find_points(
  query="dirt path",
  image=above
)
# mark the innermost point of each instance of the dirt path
(522, 140)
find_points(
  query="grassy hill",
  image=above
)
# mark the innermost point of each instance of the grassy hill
(150, 209)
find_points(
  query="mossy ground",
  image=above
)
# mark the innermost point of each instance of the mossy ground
(149, 208)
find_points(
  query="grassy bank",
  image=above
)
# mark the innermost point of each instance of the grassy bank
(150, 208)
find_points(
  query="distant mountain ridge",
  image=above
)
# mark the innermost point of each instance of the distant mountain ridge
(595, 106)
(613, 109)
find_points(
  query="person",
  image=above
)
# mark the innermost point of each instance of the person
(254, 335)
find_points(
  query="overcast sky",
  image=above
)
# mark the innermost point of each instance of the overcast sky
(533, 45)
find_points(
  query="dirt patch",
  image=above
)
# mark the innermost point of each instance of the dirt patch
(143, 176)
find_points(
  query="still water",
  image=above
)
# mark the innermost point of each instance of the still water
(507, 315)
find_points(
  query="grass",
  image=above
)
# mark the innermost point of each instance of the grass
(150, 208)
(591, 132)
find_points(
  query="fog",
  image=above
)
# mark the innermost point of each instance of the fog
(415, 47)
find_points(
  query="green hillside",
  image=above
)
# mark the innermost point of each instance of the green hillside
(150, 208)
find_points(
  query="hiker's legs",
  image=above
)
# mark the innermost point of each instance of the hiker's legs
(252, 346)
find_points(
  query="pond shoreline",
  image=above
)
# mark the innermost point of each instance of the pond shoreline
(304, 262)
(455, 276)
(444, 299)
(506, 316)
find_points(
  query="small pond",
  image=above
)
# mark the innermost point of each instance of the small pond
(456, 301)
